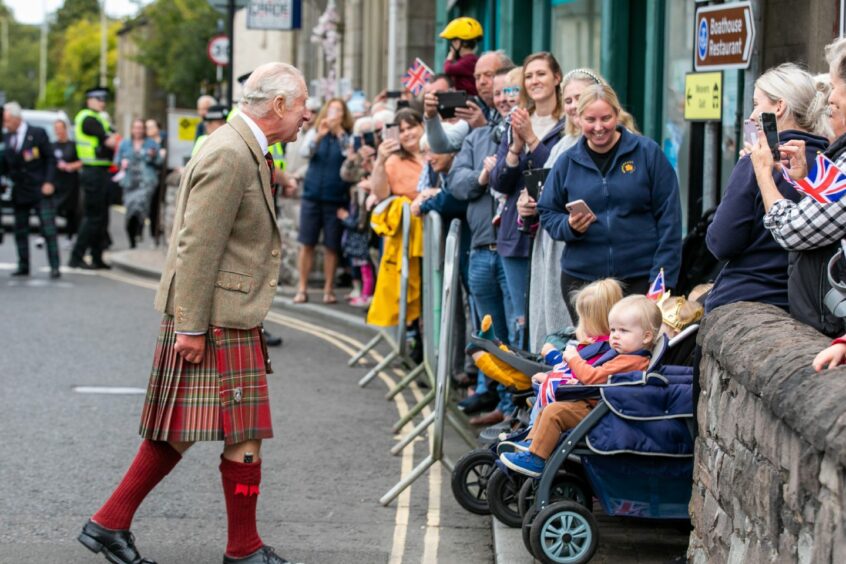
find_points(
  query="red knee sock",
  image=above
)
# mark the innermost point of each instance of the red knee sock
(241, 489)
(155, 459)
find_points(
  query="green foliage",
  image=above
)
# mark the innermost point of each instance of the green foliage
(174, 46)
(79, 68)
(73, 11)
(19, 67)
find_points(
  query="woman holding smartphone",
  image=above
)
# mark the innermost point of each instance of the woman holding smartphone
(626, 218)
(398, 160)
(536, 126)
(756, 266)
(324, 193)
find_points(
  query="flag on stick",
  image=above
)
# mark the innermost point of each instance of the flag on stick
(825, 182)
(416, 77)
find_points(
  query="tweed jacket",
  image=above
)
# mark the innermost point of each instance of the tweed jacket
(223, 262)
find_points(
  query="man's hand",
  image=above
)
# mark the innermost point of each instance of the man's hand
(47, 189)
(430, 106)
(190, 347)
(526, 205)
(289, 186)
(472, 114)
(111, 141)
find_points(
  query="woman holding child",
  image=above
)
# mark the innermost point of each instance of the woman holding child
(632, 227)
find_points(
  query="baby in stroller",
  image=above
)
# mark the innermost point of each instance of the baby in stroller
(635, 326)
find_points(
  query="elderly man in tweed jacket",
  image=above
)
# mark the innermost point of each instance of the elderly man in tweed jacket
(208, 380)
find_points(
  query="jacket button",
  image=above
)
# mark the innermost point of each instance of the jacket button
(273, 283)
(274, 252)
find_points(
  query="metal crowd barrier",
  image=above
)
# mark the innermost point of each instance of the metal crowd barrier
(397, 343)
(444, 364)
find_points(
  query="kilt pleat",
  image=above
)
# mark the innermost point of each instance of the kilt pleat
(223, 397)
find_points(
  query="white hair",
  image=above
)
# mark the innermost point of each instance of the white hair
(804, 100)
(504, 59)
(364, 124)
(835, 56)
(383, 117)
(206, 99)
(13, 109)
(269, 81)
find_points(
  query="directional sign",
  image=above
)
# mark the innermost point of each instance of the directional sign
(703, 96)
(218, 50)
(724, 36)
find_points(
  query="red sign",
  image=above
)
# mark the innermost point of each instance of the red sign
(218, 50)
(724, 36)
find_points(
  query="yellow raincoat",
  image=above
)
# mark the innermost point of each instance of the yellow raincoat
(386, 222)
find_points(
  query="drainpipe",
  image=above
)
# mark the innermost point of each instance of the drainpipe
(392, 44)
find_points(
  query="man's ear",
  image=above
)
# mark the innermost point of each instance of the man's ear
(279, 106)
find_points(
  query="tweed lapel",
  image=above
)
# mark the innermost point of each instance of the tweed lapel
(246, 134)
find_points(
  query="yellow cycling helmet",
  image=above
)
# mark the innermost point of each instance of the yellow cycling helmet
(463, 28)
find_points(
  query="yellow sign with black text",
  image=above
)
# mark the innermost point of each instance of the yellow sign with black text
(187, 128)
(703, 96)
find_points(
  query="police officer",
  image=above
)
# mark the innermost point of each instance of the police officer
(95, 145)
(214, 118)
(28, 161)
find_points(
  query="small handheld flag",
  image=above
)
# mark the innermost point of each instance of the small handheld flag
(416, 77)
(658, 288)
(825, 182)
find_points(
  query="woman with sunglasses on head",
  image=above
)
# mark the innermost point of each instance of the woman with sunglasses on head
(535, 128)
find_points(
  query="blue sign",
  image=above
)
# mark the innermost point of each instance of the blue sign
(702, 45)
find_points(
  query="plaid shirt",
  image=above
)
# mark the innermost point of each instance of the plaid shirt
(808, 224)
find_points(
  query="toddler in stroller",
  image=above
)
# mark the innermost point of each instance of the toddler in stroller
(635, 324)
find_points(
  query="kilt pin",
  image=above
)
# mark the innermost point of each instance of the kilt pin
(223, 397)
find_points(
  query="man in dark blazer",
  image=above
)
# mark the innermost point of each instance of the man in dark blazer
(29, 163)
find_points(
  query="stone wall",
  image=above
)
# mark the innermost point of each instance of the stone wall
(770, 457)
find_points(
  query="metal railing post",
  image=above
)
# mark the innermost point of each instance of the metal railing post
(443, 379)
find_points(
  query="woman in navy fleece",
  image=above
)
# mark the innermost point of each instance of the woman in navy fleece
(757, 266)
(633, 191)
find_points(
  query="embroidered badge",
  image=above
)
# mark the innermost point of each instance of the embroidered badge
(627, 167)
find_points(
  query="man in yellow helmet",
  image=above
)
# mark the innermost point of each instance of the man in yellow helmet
(463, 34)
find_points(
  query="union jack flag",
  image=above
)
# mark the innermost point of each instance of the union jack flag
(657, 289)
(629, 507)
(416, 77)
(825, 182)
(561, 376)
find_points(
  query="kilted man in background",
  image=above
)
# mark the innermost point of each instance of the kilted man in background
(208, 381)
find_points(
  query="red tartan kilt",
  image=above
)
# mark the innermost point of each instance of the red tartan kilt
(224, 397)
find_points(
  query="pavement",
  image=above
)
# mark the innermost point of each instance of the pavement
(622, 540)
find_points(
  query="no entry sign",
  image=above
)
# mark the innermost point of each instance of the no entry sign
(724, 36)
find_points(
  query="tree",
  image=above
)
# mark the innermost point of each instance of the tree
(74, 10)
(19, 65)
(174, 47)
(80, 64)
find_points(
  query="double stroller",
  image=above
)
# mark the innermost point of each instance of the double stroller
(633, 453)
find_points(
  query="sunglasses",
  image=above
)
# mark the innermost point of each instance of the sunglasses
(511, 90)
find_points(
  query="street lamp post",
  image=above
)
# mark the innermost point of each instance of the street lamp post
(103, 44)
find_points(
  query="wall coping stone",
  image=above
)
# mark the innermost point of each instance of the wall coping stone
(770, 354)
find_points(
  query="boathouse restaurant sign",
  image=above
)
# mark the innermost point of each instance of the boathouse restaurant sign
(724, 36)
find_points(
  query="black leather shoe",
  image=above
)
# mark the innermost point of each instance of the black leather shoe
(73, 263)
(264, 555)
(479, 402)
(117, 546)
(21, 272)
(272, 340)
(54, 273)
(100, 265)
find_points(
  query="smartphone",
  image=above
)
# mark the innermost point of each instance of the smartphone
(369, 139)
(393, 94)
(391, 132)
(403, 104)
(357, 141)
(534, 179)
(579, 206)
(750, 132)
(448, 101)
(770, 129)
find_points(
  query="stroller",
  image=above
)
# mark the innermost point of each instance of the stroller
(634, 452)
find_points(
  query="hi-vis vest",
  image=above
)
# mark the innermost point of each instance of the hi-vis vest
(87, 145)
(277, 151)
(198, 143)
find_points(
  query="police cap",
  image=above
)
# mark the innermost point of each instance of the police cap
(216, 113)
(99, 92)
(243, 78)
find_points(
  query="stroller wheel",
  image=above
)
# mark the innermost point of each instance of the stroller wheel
(502, 496)
(565, 487)
(526, 527)
(470, 480)
(564, 533)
